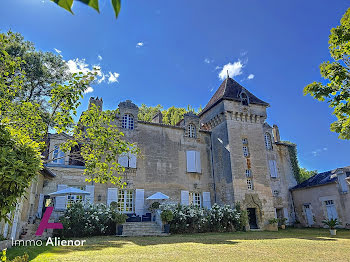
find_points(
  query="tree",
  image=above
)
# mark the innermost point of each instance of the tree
(336, 90)
(306, 174)
(146, 113)
(67, 4)
(24, 128)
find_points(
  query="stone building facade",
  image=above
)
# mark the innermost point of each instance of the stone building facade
(324, 196)
(226, 154)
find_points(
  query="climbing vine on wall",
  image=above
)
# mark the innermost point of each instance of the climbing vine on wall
(292, 149)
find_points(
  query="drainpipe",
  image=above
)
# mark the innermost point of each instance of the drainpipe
(212, 166)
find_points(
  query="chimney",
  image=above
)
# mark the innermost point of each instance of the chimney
(158, 118)
(97, 101)
(276, 133)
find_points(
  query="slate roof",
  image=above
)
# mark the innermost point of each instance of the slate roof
(231, 90)
(321, 179)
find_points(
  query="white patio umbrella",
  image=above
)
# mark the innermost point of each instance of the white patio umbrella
(158, 196)
(69, 191)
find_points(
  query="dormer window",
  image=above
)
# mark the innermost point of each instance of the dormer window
(58, 155)
(244, 99)
(191, 131)
(128, 121)
(268, 141)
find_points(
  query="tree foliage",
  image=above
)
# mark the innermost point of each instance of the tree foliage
(171, 116)
(306, 174)
(336, 89)
(25, 122)
(67, 4)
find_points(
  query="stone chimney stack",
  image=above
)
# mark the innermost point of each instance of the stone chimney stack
(97, 101)
(158, 118)
(276, 133)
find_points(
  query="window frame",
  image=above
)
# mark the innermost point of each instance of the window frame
(250, 184)
(128, 121)
(126, 201)
(191, 129)
(268, 141)
(195, 199)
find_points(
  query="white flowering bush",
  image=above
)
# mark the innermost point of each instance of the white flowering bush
(87, 220)
(192, 219)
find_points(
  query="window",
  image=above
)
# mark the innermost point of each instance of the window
(248, 173)
(58, 155)
(245, 151)
(245, 141)
(268, 142)
(273, 168)
(244, 99)
(331, 210)
(125, 201)
(127, 160)
(191, 131)
(128, 121)
(71, 199)
(276, 192)
(249, 184)
(195, 199)
(193, 161)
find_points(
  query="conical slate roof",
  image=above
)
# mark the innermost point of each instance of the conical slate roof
(231, 90)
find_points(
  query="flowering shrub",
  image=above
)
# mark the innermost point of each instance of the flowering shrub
(192, 219)
(87, 220)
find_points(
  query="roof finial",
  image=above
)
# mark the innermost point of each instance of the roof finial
(228, 76)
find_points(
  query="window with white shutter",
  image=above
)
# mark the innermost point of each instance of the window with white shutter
(185, 197)
(273, 168)
(60, 201)
(193, 161)
(206, 200)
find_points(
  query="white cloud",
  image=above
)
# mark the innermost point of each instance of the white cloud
(139, 44)
(208, 61)
(89, 90)
(233, 69)
(99, 57)
(318, 151)
(251, 76)
(57, 51)
(79, 65)
(217, 67)
(113, 77)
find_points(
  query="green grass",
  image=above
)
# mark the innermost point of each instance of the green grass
(284, 245)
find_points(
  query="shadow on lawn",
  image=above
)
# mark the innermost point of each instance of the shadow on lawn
(102, 242)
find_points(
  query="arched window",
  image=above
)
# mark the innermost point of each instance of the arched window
(128, 121)
(244, 99)
(268, 142)
(191, 131)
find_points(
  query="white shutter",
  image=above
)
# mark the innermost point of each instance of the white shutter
(286, 215)
(332, 212)
(206, 200)
(273, 168)
(60, 200)
(90, 198)
(185, 197)
(15, 221)
(132, 160)
(123, 160)
(139, 201)
(198, 162)
(191, 161)
(112, 195)
(40, 205)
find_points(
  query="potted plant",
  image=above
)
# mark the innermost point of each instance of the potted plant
(153, 207)
(282, 222)
(166, 217)
(118, 218)
(331, 223)
(274, 223)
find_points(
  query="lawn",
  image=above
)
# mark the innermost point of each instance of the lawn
(284, 245)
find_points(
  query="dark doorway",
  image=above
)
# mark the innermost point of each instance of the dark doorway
(252, 218)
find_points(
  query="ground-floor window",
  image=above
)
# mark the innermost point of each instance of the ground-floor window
(71, 199)
(126, 201)
(195, 198)
(331, 210)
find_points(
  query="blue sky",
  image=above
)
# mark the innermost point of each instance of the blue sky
(172, 52)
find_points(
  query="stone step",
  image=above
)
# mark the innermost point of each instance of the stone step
(142, 229)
